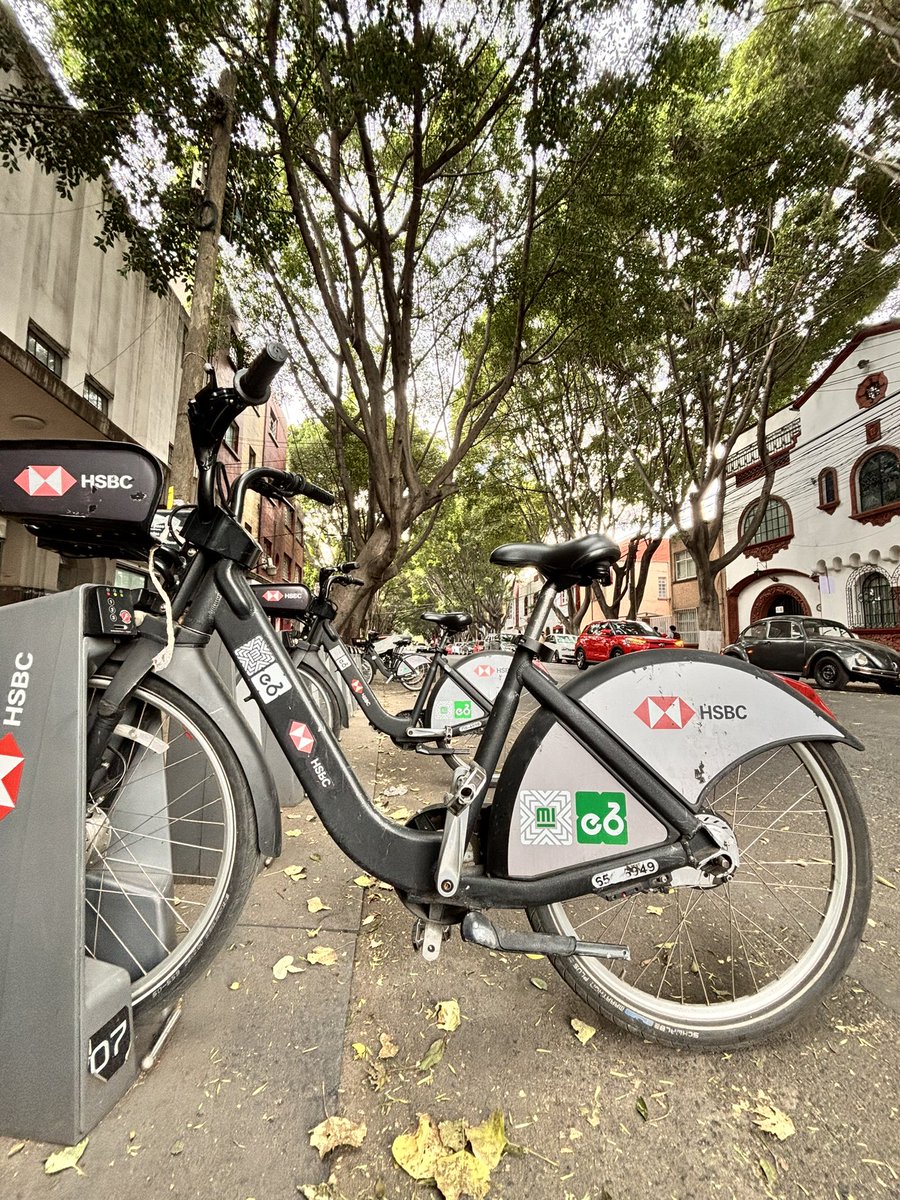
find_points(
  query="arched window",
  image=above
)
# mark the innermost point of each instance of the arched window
(871, 601)
(828, 489)
(878, 480)
(775, 530)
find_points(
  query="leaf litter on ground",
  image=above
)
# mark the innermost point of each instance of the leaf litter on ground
(336, 1131)
(439, 1152)
(68, 1157)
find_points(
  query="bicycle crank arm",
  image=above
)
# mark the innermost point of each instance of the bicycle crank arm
(478, 929)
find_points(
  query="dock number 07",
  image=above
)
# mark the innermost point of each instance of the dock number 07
(108, 1048)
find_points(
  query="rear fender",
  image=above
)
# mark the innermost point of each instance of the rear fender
(310, 659)
(688, 715)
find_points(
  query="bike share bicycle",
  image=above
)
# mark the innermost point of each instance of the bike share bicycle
(687, 779)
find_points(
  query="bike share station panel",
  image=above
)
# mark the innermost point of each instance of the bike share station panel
(66, 1052)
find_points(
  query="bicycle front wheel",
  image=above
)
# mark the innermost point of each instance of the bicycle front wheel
(171, 847)
(411, 670)
(366, 669)
(723, 966)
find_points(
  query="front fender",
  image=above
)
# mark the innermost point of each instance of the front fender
(690, 716)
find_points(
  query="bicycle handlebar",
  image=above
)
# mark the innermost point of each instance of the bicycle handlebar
(253, 383)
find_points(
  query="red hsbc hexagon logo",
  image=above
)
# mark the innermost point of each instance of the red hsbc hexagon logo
(664, 712)
(301, 737)
(484, 670)
(273, 595)
(356, 686)
(45, 481)
(11, 763)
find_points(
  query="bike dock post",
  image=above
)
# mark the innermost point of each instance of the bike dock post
(66, 1053)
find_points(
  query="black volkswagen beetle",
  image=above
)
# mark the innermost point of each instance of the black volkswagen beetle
(825, 651)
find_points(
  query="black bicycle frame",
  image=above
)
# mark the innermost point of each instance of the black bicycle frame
(325, 635)
(402, 856)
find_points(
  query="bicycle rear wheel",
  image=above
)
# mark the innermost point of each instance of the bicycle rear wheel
(722, 966)
(411, 670)
(171, 847)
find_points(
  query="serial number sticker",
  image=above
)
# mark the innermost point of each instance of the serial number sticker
(605, 879)
(269, 683)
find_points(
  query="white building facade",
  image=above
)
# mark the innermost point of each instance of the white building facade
(829, 543)
(85, 351)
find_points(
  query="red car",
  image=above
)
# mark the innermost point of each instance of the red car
(608, 639)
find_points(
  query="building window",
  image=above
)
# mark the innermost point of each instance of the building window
(775, 530)
(231, 437)
(45, 350)
(288, 517)
(872, 389)
(273, 425)
(686, 623)
(878, 481)
(251, 458)
(98, 397)
(871, 601)
(288, 567)
(828, 489)
(662, 588)
(685, 567)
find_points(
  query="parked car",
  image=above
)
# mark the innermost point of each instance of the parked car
(825, 651)
(560, 647)
(602, 640)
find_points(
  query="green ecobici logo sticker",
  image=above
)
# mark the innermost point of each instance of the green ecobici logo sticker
(462, 709)
(600, 817)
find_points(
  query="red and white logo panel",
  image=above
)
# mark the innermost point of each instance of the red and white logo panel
(11, 762)
(664, 712)
(356, 686)
(484, 670)
(45, 481)
(273, 595)
(301, 737)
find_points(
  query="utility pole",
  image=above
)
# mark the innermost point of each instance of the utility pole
(196, 345)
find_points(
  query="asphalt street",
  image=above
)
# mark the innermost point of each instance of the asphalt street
(256, 1063)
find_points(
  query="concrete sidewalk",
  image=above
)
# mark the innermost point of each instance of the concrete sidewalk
(226, 1112)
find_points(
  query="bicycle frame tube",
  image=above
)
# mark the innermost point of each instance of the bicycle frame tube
(404, 857)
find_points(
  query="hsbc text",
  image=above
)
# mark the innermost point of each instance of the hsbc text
(107, 481)
(18, 688)
(722, 712)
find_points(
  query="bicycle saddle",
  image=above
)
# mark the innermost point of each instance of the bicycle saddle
(456, 621)
(565, 563)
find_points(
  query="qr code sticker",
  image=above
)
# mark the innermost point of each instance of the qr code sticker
(254, 655)
(270, 682)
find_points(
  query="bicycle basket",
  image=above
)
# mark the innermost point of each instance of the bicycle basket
(82, 499)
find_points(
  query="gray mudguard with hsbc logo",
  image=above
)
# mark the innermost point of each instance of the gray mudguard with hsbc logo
(690, 716)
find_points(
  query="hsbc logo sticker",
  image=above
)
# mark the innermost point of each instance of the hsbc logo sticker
(273, 595)
(300, 735)
(664, 712)
(356, 686)
(484, 670)
(45, 481)
(11, 762)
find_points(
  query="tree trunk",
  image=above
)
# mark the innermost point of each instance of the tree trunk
(376, 567)
(709, 613)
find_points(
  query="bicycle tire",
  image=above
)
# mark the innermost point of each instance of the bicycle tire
(698, 1003)
(411, 674)
(366, 669)
(324, 701)
(166, 877)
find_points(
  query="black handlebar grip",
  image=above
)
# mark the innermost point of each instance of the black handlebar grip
(312, 492)
(252, 383)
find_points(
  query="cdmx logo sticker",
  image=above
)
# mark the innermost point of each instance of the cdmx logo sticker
(664, 712)
(11, 762)
(45, 481)
(546, 818)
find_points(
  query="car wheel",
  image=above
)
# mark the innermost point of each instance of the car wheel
(830, 674)
(580, 659)
(616, 652)
(889, 685)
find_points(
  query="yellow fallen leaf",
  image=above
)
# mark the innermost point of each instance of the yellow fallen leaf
(389, 1049)
(234, 986)
(361, 1050)
(294, 872)
(656, 909)
(453, 1135)
(418, 1152)
(336, 1131)
(15, 1149)
(583, 1031)
(885, 882)
(488, 1140)
(773, 1120)
(61, 1160)
(365, 881)
(293, 833)
(322, 956)
(433, 1055)
(315, 905)
(447, 1014)
(540, 984)
(285, 966)
(461, 1174)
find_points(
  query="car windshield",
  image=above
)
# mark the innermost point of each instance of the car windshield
(564, 639)
(634, 629)
(831, 630)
